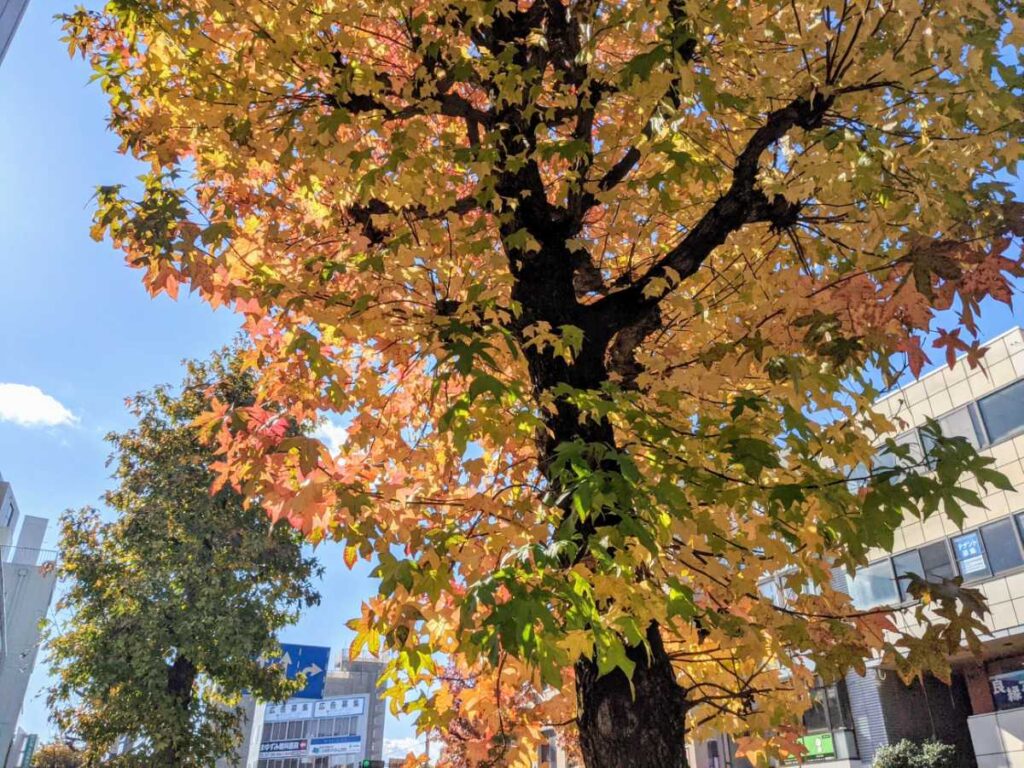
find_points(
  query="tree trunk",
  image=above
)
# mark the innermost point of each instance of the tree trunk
(638, 727)
(181, 679)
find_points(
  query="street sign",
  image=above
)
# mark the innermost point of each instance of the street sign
(311, 660)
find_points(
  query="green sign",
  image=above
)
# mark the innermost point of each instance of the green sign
(818, 746)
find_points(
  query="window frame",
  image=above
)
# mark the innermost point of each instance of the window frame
(1016, 432)
(892, 573)
(1012, 519)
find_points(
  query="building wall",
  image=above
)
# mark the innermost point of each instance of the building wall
(349, 679)
(11, 12)
(883, 710)
(360, 676)
(26, 588)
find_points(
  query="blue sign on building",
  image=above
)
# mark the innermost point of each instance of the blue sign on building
(336, 745)
(311, 660)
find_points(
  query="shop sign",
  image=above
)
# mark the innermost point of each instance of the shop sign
(1008, 690)
(336, 745)
(339, 706)
(285, 748)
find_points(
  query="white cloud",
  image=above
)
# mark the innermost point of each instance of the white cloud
(29, 406)
(332, 435)
(396, 748)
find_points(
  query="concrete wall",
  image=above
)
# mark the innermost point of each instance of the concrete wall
(27, 591)
(998, 738)
(355, 677)
(11, 12)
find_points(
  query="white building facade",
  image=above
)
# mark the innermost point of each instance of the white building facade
(27, 581)
(11, 12)
(981, 713)
(336, 722)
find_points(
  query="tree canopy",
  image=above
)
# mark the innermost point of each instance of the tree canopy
(603, 293)
(171, 609)
(56, 755)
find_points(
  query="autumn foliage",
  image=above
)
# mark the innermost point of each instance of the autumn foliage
(603, 293)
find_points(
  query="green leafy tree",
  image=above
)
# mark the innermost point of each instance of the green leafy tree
(172, 608)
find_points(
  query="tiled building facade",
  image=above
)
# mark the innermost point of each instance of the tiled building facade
(982, 712)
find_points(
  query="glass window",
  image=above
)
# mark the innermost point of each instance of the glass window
(1003, 412)
(770, 590)
(267, 728)
(970, 556)
(886, 460)
(907, 563)
(295, 729)
(816, 718)
(936, 562)
(838, 706)
(959, 423)
(1001, 546)
(873, 585)
(280, 729)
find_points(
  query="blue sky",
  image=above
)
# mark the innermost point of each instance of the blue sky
(79, 332)
(77, 324)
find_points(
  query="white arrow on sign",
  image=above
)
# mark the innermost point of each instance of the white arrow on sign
(311, 670)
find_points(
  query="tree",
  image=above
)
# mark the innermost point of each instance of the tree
(170, 610)
(604, 293)
(56, 755)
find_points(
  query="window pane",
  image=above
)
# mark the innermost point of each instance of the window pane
(1001, 546)
(886, 460)
(904, 563)
(838, 709)
(873, 586)
(936, 562)
(816, 718)
(970, 556)
(770, 590)
(956, 424)
(1003, 412)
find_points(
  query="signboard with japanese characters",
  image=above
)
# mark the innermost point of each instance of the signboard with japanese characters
(1008, 689)
(336, 745)
(293, 709)
(339, 706)
(285, 748)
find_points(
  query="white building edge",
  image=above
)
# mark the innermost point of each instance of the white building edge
(27, 581)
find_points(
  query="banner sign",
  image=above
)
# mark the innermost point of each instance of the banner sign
(287, 748)
(291, 710)
(336, 745)
(1008, 690)
(310, 660)
(970, 555)
(339, 706)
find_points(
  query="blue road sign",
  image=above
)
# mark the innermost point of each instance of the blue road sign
(311, 660)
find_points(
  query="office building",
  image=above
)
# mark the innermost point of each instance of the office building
(982, 712)
(27, 580)
(11, 12)
(336, 721)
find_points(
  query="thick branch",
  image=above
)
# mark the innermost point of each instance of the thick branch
(741, 204)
